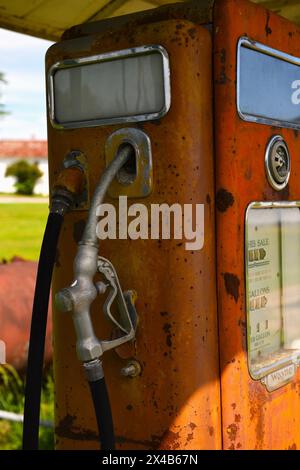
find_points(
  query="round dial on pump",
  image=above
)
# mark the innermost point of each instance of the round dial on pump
(277, 162)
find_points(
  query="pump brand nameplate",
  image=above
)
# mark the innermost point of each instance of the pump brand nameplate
(279, 378)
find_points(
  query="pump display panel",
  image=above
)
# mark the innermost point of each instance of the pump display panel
(273, 287)
(268, 85)
(123, 86)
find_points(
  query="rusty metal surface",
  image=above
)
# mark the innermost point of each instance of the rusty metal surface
(175, 403)
(252, 417)
(17, 283)
(72, 179)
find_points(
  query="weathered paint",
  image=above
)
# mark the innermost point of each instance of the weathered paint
(71, 179)
(175, 403)
(252, 417)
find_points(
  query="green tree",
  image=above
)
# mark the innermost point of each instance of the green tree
(26, 174)
(2, 81)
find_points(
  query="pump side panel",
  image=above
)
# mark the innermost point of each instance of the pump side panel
(252, 417)
(175, 403)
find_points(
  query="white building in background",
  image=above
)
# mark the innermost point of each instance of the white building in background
(33, 151)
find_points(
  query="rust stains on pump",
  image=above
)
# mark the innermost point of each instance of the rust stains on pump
(70, 179)
(224, 200)
(232, 431)
(292, 447)
(171, 440)
(232, 284)
(67, 429)
(267, 27)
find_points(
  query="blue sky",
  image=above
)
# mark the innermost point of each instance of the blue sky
(22, 62)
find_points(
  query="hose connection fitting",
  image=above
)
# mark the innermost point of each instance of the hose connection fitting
(83, 291)
(93, 370)
(68, 186)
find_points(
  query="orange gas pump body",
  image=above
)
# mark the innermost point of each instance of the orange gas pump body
(252, 417)
(175, 402)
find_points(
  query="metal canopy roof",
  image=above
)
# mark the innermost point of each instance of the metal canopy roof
(48, 19)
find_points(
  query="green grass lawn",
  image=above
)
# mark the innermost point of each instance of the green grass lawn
(21, 229)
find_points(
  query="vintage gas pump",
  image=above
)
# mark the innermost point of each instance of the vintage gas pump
(147, 87)
(134, 98)
(258, 233)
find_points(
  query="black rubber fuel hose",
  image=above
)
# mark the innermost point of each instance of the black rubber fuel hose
(103, 414)
(38, 332)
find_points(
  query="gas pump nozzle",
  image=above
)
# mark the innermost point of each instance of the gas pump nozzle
(89, 347)
(80, 295)
(83, 291)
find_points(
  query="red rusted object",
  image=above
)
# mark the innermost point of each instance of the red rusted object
(17, 283)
